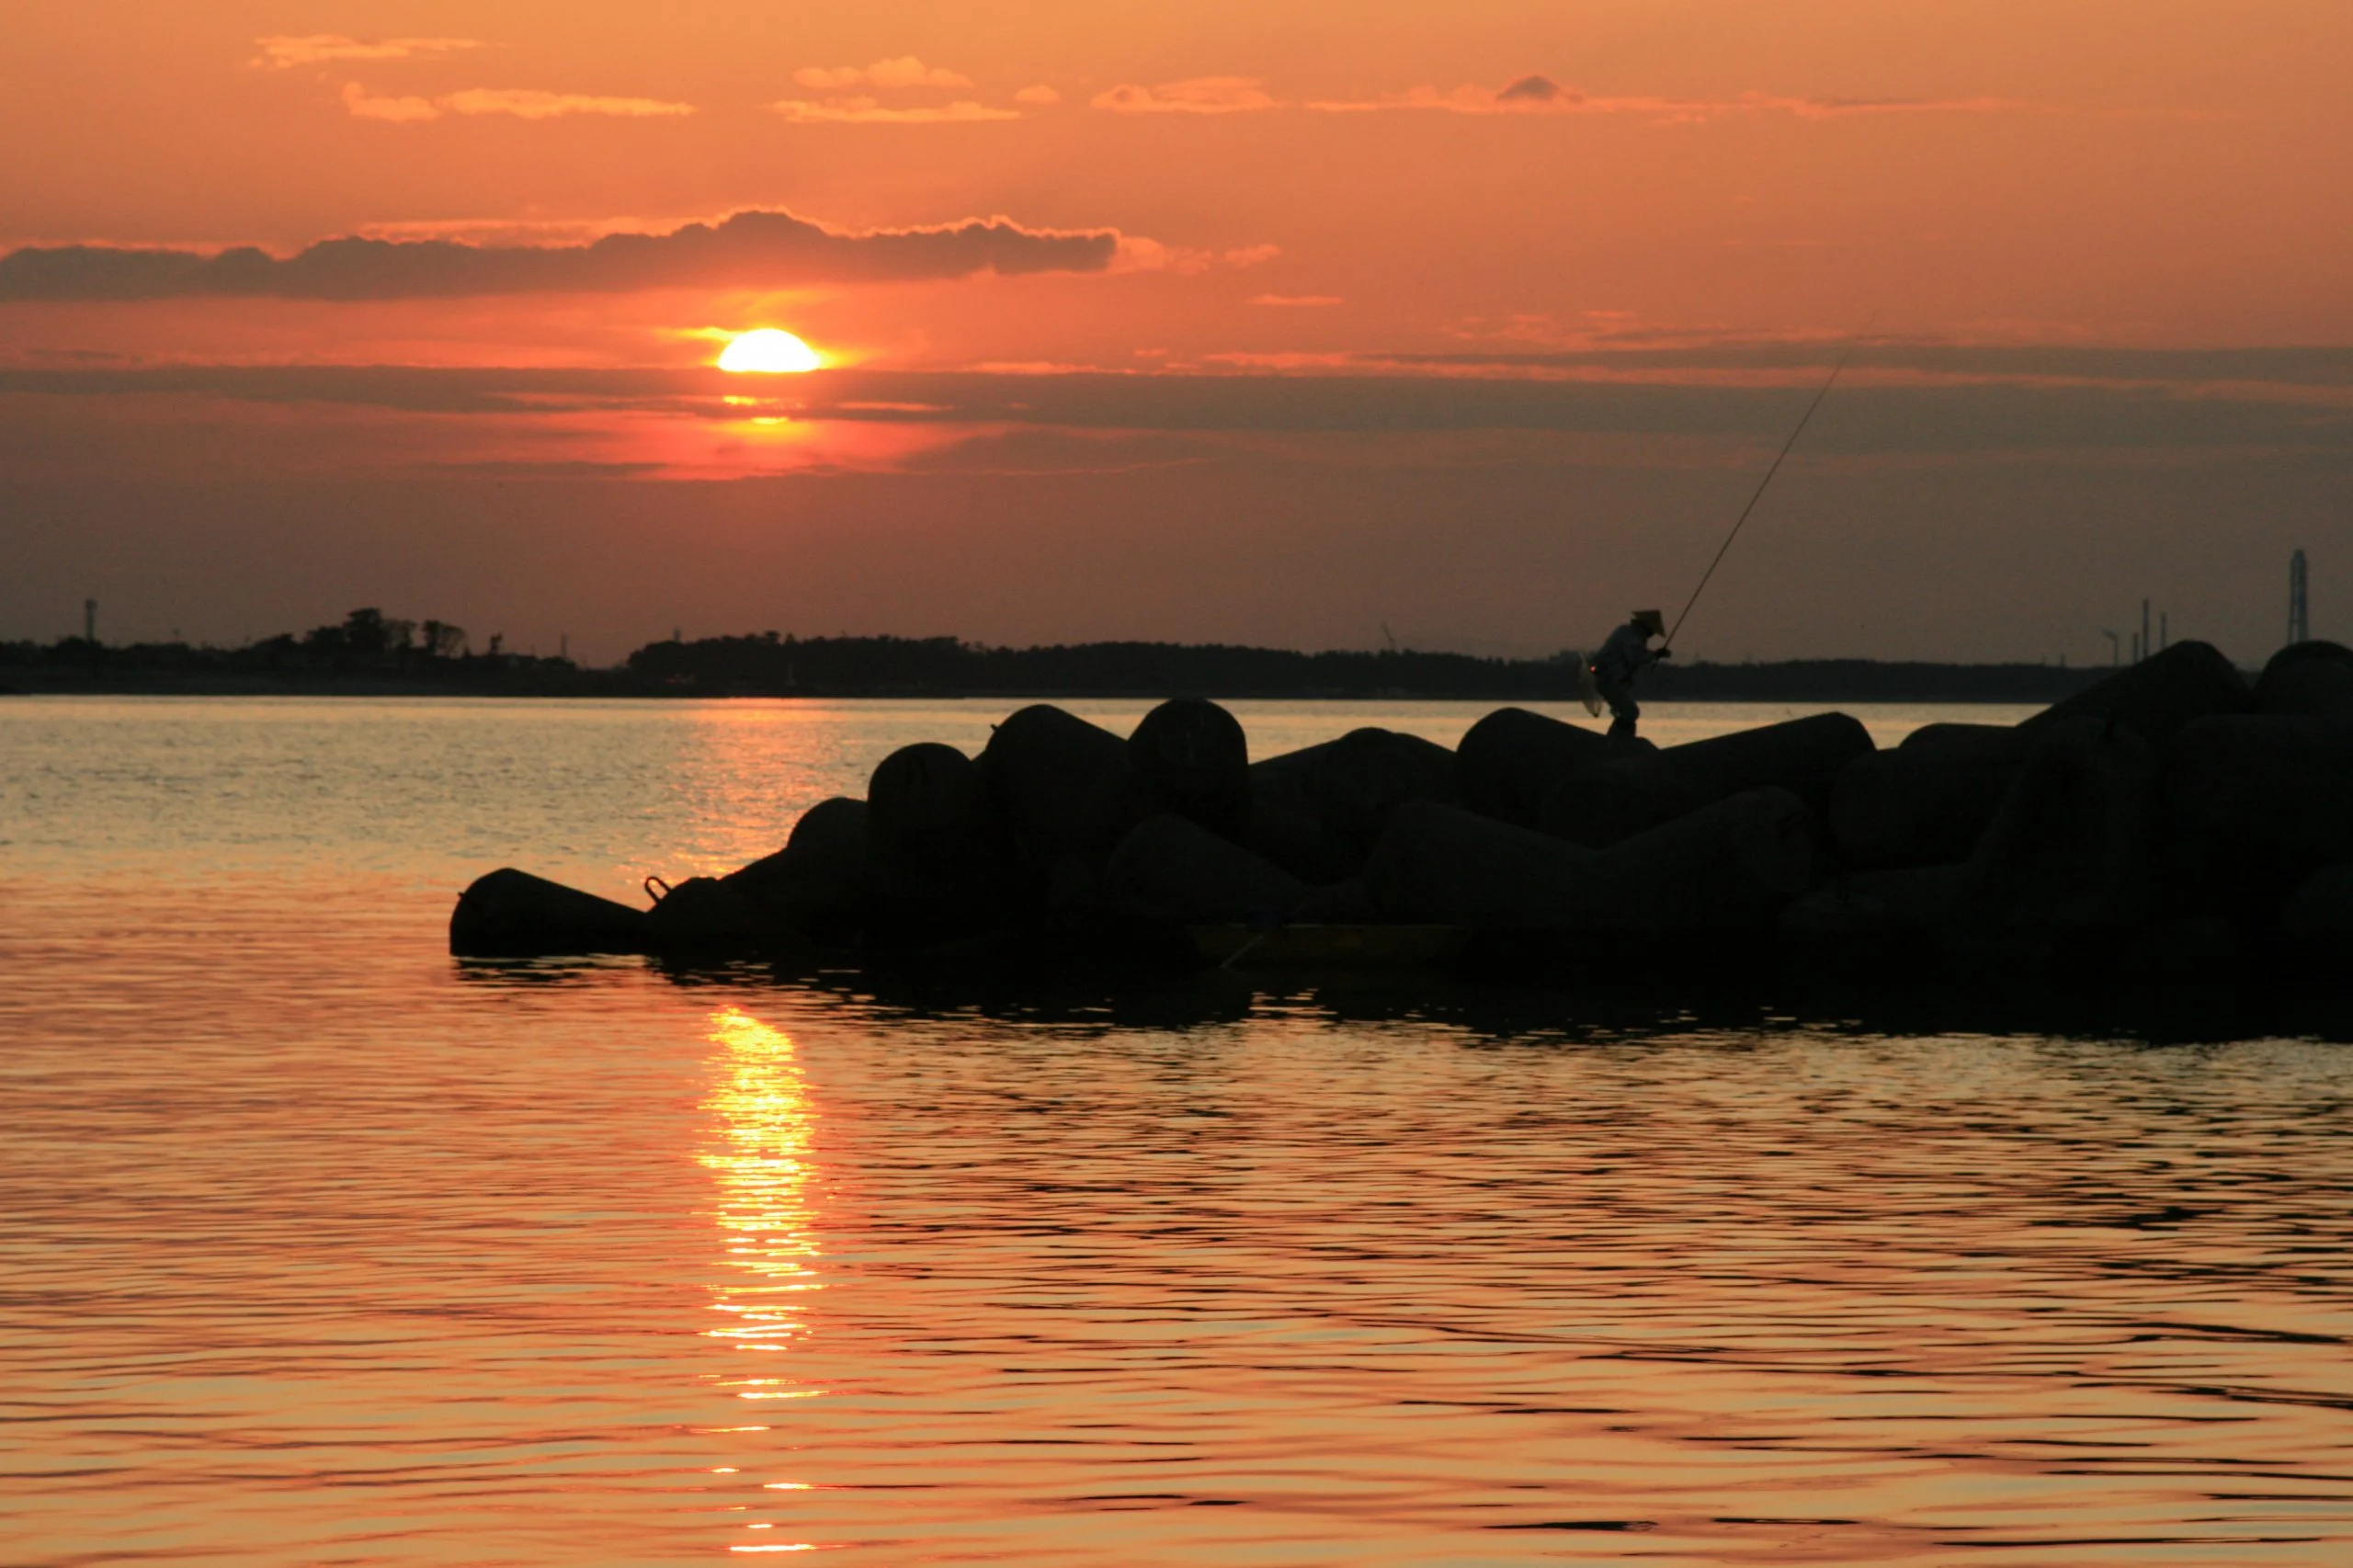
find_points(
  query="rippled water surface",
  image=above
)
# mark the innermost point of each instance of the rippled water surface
(317, 1246)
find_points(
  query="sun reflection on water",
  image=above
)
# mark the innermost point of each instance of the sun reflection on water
(761, 1159)
(763, 1120)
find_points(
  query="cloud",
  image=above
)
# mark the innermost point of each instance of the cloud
(523, 103)
(1139, 253)
(1532, 90)
(1040, 96)
(280, 51)
(2163, 404)
(526, 103)
(904, 72)
(1196, 95)
(1300, 300)
(364, 105)
(749, 250)
(1539, 95)
(867, 111)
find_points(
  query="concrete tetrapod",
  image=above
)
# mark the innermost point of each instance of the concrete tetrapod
(1171, 868)
(1285, 826)
(2316, 925)
(927, 814)
(816, 884)
(2069, 859)
(1728, 866)
(2312, 679)
(1367, 774)
(931, 858)
(509, 913)
(2255, 803)
(711, 914)
(1190, 757)
(1608, 802)
(1318, 812)
(1440, 864)
(1928, 800)
(2160, 694)
(1872, 917)
(1507, 762)
(1060, 788)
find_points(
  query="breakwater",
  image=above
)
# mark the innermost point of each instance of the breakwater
(2171, 812)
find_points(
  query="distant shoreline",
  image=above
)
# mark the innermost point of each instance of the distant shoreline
(2027, 684)
(370, 654)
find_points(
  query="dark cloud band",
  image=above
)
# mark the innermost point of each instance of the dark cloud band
(749, 250)
(2028, 400)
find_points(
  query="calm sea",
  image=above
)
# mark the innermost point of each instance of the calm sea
(317, 1246)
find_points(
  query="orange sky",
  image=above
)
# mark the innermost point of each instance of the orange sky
(1664, 215)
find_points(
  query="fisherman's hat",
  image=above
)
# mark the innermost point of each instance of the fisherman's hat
(1652, 619)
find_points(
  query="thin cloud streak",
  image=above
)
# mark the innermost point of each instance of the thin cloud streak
(752, 249)
(2152, 405)
(282, 51)
(522, 103)
(1195, 94)
(906, 70)
(869, 111)
(1541, 96)
(526, 103)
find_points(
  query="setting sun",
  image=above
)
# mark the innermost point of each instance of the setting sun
(770, 350)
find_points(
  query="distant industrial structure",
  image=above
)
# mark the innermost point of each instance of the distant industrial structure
(2142, 647)
(2300, 619)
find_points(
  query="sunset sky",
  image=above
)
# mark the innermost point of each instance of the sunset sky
(1215, 322)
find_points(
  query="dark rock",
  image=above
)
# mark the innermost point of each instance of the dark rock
(933, 869)
(512, 913)
(1608, 802)
(2308, 678)
(1318, 812)
(926, 813)
(1190, 757)
(1060, 788)
(1367, 774)
(816, 883)
(1171, 868)
(2160, 694)
(1508, 762)
(1935, 738)
(1871, 916)
(1346, 902)
(2068, 860)
(2255, 804)
(2317, 925)
(1441, 864)
(1928, 800)
(707, 915)
(1731, 865)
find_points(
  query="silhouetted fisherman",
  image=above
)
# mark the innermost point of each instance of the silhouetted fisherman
(1625, 655)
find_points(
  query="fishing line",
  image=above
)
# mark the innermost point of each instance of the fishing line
(1852, 343)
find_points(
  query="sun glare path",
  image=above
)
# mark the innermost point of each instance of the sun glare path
(770, 352)
(762, 1166)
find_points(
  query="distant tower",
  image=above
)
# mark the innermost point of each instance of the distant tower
(2300, 620)
(90, 606)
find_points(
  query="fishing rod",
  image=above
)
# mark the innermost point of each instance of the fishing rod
(1852, 343)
